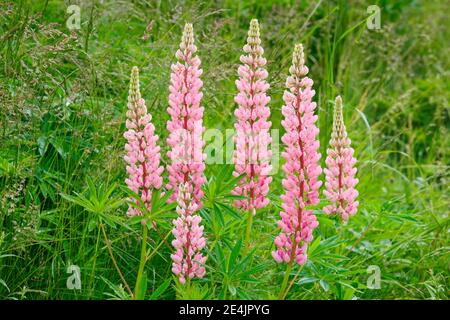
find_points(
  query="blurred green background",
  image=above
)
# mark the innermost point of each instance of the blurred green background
(62, 113)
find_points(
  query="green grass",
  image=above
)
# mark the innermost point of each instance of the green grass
(63, 101)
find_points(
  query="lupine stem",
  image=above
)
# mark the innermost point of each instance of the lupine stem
(248, 232)
(188, 284)
(285, 280)
(108, 245)
(292, 282)
(142, 261)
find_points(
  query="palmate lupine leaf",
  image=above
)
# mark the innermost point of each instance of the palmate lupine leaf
(98, 200)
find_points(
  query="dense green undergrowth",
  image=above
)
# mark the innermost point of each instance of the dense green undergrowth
(63, 101)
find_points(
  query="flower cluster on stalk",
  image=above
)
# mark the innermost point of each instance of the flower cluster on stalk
(188, 260)
(252, 155)
(302, 167)
(142, 152)
(186, 123)
(340, 171)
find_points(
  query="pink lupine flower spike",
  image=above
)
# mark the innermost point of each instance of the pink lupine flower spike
(188, 261)
(252, 157)
(301, 169)
(186, 123)
(143, 156)
(186, 158)
(340, 172)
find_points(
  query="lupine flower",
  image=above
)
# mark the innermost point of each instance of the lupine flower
(340, 173)
(142, 157)
(188, 260)
(252, 157)
(186, 123)
(301, 168)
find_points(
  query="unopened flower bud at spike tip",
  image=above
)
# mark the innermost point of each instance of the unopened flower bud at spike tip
(298, 68)
(253, 39)
(254, 25)
(134, 94)
(338, 102)
(299, 55)
(188, 36)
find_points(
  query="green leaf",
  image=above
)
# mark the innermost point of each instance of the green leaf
(306, 280)
(220, 258)
(232, 290)
(219, 215)
(135, 196)
(3, 283)
(325, 286)
(161, 289)
(232, 212)
(92, 224)
(229, 185)
(314, 245)
(42, 145)
(211, 189)
(234, 254)
(348, 293)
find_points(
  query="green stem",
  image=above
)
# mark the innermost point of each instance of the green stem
(285, 281)
(111, 254)
(142, 261)
(91, 279)
(188, 284)
(248, 232)
(292, 282)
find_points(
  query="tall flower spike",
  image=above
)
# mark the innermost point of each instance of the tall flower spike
(302, 168)
(142, 157)
(186, 123)
(340, 173)
(252, 157)
(188, 260)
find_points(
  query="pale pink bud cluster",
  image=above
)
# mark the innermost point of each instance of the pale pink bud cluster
(302, 168)
(186, 123)
(143, 156)
(188, 261)
(252, 156)
(340, 173)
